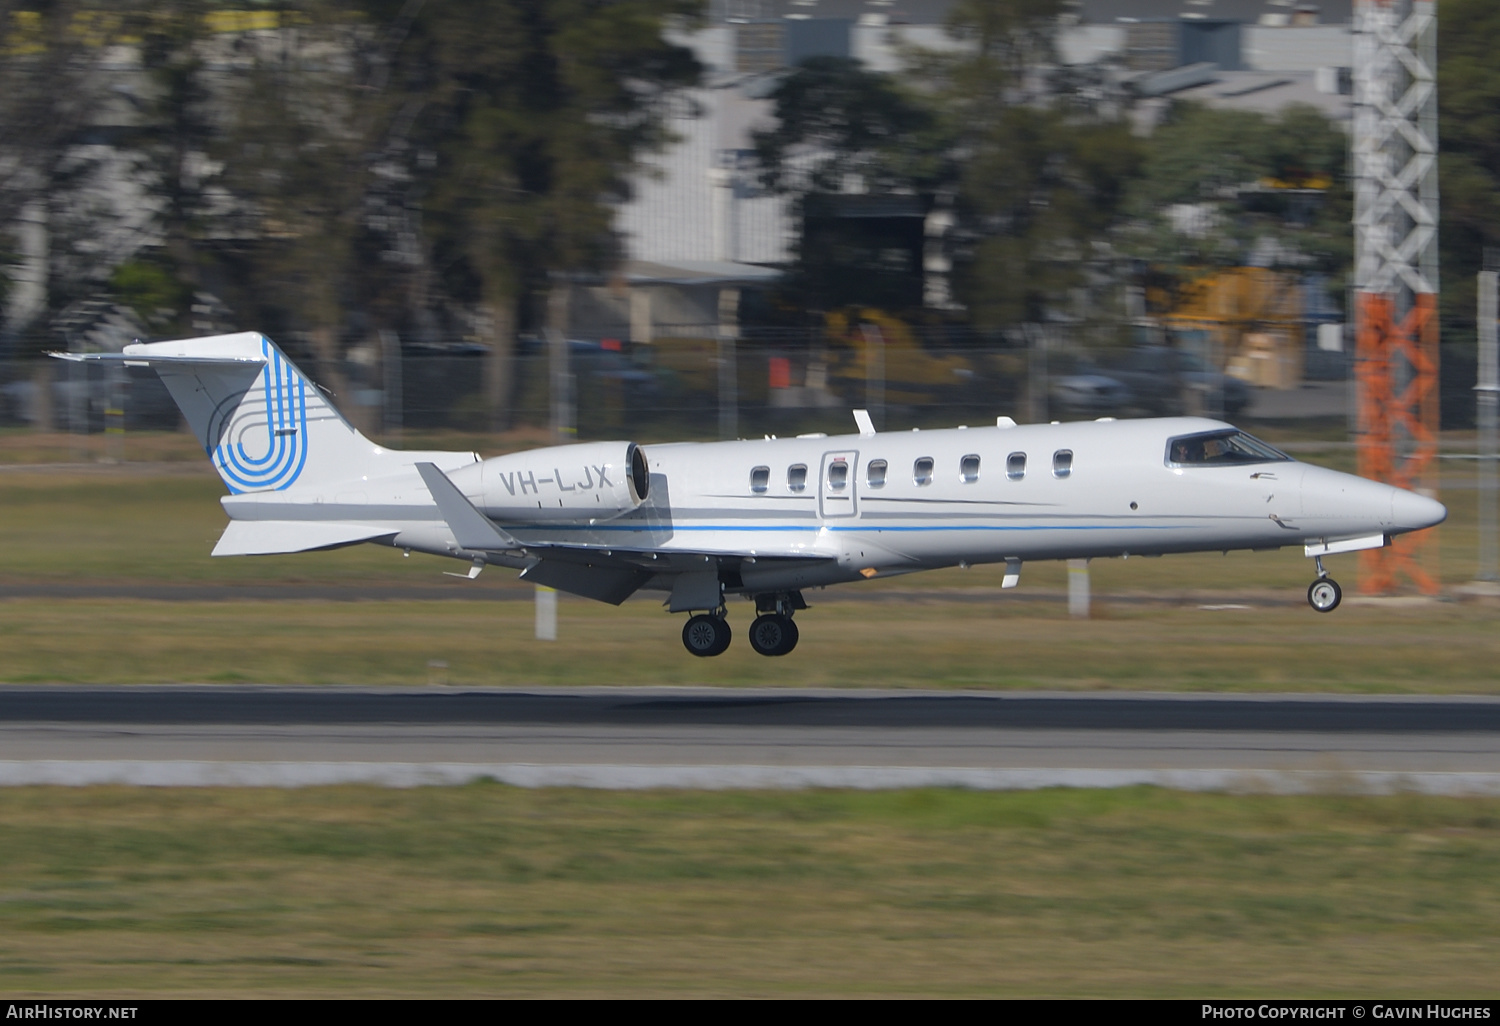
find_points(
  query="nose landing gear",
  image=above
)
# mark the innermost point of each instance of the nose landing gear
(1324, 594)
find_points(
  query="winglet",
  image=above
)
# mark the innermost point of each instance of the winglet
(471, 528)
(866, 425)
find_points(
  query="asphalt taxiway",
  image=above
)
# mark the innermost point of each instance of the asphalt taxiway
(703, 737)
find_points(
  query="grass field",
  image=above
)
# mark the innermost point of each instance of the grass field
(485, 890)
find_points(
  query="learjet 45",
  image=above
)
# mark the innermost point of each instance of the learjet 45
(763, 518)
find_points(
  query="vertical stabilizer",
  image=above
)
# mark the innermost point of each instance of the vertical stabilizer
(262, 422)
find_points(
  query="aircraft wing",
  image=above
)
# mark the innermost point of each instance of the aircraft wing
(612, 575)
(606, 574)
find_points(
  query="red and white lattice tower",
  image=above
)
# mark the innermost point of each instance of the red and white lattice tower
(1396, 267)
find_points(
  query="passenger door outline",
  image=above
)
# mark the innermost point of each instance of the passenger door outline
(838, 503)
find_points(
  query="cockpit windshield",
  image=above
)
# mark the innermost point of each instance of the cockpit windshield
(1220, 448)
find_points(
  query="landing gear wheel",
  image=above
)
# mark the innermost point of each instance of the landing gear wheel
(773, 634)
(1324, 594)
(705, 635)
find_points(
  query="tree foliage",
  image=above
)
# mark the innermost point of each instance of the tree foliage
(1469, 152)
(1223, 188)
(841, 131)
(331, 166)
(534, 116)
(1026, 176)
(839, 127)
(50, 98)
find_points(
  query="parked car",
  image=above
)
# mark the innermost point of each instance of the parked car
(1162, 381)
(1088, 393)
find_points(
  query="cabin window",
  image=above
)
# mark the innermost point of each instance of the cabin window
(1015, 466)
(875, 473)
(968, 468)
(1221, 448)
(838, 475)
(921, 471)
(796, 477)
(1062, 463)
(760, 478)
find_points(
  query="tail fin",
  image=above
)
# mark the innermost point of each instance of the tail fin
(261, 421)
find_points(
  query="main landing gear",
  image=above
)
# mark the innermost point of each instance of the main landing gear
(772, 634)
(1324, 594)
(707, 634)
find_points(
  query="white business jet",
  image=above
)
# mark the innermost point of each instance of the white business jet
(762, 518)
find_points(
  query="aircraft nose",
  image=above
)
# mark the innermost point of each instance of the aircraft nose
(1412, 512)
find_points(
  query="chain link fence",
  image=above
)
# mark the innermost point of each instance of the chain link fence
(695, 388)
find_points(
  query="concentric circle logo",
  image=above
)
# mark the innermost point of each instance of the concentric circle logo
(264, 446)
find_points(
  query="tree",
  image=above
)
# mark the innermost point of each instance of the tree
(1029, 176)
(52, 93)
(1039, 175)
(839, 131)
(1468, 153)
(315, 158)
(1216, 183)
(306, 120)
(1041, 187)
(533, 118)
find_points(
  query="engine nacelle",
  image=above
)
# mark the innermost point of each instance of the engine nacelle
(597, 480)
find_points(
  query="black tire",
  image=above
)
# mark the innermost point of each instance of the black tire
(773, 634)
(725, 635)
(705, 635)
(1324, 594)
(792, 636)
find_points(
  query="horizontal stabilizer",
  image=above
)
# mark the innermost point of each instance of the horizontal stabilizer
(143, 360)
(268, 537)
(471, 528)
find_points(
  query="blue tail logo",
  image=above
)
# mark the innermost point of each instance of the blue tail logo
(264, 446)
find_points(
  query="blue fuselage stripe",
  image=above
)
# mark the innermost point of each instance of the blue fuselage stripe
(762, 528)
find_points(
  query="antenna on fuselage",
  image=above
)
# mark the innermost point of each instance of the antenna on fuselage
(866, 425)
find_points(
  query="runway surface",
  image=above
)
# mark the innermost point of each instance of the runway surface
(684, 737)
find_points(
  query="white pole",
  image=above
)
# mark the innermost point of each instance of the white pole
(559, 364)
(1078, 588)
(390, 367)
(546, 613)
(729, 388)
(1488, 394)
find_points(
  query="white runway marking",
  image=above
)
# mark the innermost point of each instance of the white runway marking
(71, 773)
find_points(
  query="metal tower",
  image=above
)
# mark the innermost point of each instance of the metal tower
(1396, 269)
